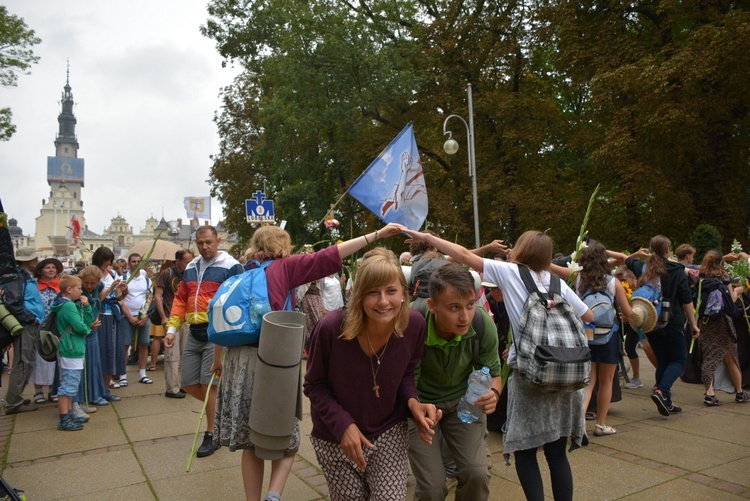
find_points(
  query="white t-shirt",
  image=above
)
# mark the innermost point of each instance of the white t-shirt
(506, 276)
(138, 288)
(331, 293)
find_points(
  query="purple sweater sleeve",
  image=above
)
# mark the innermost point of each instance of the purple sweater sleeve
(298, 269)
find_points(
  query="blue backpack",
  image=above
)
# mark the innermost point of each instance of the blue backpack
(602, 304)
(235, 313)
(652, 292)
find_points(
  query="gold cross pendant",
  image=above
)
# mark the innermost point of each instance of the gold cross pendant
(377, 390)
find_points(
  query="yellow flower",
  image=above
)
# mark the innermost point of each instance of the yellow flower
(628, 290)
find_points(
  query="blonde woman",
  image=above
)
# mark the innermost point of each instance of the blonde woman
(235, 395)
(360, 381)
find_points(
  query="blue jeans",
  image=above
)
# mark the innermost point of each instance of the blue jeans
(71, 378)
(669, 348)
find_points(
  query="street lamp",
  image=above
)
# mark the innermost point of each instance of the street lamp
(451, 148)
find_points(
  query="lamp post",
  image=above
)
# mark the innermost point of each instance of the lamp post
(451, 148)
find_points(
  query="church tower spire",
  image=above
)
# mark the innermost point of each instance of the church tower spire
(66, 143)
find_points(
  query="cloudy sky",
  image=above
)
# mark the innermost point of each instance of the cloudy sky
(146, 86)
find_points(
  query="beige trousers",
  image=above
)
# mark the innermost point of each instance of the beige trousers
(173, 359)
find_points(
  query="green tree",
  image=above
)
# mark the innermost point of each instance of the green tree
(16, 57)
(648, 98)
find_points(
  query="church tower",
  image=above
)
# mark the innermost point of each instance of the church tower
(65, 177)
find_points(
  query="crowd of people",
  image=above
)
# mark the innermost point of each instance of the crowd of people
(389, 350)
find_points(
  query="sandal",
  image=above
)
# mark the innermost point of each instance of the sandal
(590, 415)
(53, 398)
(39, 398)
(123, 382)
(601, 430)
(114, 384)
(711, 400)
(145, 380)
(150, 368)
(741, 397)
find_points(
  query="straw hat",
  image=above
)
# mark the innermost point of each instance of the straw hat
(644, 314)
(24, 254)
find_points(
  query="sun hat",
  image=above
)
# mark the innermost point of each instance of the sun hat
(489, 284)
(644, 314)
(45, 262)
(25, 254)
(48, 345)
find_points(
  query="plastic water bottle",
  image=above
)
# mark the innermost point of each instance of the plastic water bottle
(480, 383)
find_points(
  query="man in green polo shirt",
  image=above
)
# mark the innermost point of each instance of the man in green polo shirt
(442, 379)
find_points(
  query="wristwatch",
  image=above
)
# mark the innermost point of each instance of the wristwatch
(497, 393)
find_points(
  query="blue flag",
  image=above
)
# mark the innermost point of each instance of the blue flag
(393, 185)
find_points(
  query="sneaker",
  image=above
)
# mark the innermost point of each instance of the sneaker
(674, 409)
(79, 413)
(741, 397)
(207, 447)
(179, 394)
(634, 384)
(661, 402)
(711, 401)
(111, 398)
(88, 409)
(68, 423)
(26, 406)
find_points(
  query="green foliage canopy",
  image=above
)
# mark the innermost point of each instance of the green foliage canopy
(650, 99)
(16, 57)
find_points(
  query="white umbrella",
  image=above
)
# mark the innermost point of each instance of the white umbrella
(164, 249)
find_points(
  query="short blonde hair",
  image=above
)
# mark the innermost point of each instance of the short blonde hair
(269, 242)
(67, 281)
(379, 267)
(90, 271)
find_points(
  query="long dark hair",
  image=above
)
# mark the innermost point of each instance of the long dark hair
(596, 268)
(655, 267)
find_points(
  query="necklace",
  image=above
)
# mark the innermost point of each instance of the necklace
(376, 386)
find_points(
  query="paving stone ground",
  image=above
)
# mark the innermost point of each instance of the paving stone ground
(138, 449)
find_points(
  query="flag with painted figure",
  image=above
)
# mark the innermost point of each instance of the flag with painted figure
(393, 186)
(74, 230)
(198, 207)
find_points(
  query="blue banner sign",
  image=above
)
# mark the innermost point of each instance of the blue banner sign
(258, 209)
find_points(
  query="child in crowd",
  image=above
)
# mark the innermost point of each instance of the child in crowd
(74, 322)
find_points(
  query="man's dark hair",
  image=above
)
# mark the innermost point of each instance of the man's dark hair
(207, 227)
(451, 275)
(180, 254)
(135, 254)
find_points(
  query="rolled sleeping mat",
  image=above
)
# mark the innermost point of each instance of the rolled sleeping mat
(277, 390)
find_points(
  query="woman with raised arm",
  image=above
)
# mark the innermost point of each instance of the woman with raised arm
(234, 400)
(535, 419)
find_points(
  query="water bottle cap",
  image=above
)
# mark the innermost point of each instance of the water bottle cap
(486, 369)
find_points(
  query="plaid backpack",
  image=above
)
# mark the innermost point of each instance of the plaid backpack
(551, 347)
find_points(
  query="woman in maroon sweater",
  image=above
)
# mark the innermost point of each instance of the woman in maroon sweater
(360, 382)
(237, 372)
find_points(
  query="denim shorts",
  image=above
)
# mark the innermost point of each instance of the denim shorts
(71, 379)
(128, 331)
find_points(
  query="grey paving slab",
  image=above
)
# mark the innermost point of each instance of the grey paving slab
(682, 490)
(676, 448)
(77, 477)
(168, 458)
(50, 441)
(716, 425)
(140, 492)
(152, 404)
(733, 471)
(167, 424)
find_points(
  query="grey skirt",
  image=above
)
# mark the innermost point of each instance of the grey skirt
(232, 425)
(536, 418)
